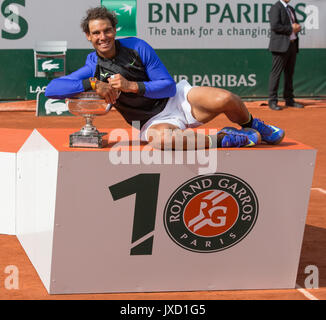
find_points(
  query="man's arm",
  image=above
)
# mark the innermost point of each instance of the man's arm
(295, 26)
(276, 23)
(161, 84)
(73, 83)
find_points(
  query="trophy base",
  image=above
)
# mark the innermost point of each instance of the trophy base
(93, 140)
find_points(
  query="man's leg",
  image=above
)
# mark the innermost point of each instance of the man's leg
(167, 136)
(275, 75)
(206, 103)
(288, 75)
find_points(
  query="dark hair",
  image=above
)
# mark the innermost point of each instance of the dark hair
(98, 13)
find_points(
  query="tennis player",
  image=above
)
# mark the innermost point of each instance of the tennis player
(128, 74)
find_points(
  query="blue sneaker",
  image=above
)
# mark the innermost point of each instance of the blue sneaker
(269, 134)
(253, 135)
(234, 140)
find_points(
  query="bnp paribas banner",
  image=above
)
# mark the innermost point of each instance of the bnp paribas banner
(186, 24)
(224, 24)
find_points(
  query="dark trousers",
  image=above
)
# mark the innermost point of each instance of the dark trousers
(282, 62)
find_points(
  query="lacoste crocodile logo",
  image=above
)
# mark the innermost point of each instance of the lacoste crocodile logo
(48, 65)
(55, 105)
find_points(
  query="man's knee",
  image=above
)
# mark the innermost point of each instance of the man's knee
(228, 98)
(225, 100)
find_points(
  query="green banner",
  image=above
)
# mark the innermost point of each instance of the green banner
(244, 72)
(51, 107)
(35, 86)
(126, 12)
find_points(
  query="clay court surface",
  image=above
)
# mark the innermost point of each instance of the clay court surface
(306, 126)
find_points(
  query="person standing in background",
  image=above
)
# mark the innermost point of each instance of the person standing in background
(284, 46)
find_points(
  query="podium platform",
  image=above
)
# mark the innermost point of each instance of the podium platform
(127, 218)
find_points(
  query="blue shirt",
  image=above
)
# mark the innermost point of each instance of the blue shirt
(136, 61)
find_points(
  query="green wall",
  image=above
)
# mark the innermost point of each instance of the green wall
(17, 66)
(240, 66)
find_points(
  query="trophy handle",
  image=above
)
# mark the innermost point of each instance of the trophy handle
(108, 107)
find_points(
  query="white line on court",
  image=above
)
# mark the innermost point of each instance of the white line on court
(306, 293)
(301, 290)
(319, 189)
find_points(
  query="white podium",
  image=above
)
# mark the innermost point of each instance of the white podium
(10, 142)
(119, 220)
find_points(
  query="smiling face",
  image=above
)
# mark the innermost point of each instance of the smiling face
(102, 35)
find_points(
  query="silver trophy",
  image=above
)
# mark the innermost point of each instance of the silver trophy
(89, 105)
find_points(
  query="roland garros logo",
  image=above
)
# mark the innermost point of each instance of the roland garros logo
(211, 213)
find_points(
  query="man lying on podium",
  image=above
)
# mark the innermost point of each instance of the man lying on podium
(128, 74)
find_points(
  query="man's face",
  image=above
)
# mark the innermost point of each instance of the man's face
(102, 35)
(286, 1)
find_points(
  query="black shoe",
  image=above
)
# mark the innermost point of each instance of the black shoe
(293, 104)
(274, 106)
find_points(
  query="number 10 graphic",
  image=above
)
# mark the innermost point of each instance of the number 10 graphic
(145, 186)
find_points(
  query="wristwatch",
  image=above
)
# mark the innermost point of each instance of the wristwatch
(92, 81)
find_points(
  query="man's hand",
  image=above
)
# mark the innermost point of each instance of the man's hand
(296, 27)
(106, 91)
(120, 83)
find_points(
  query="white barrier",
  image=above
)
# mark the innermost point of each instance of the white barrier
(91, 226)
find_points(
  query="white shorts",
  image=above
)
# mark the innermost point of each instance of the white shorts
(176, 112)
